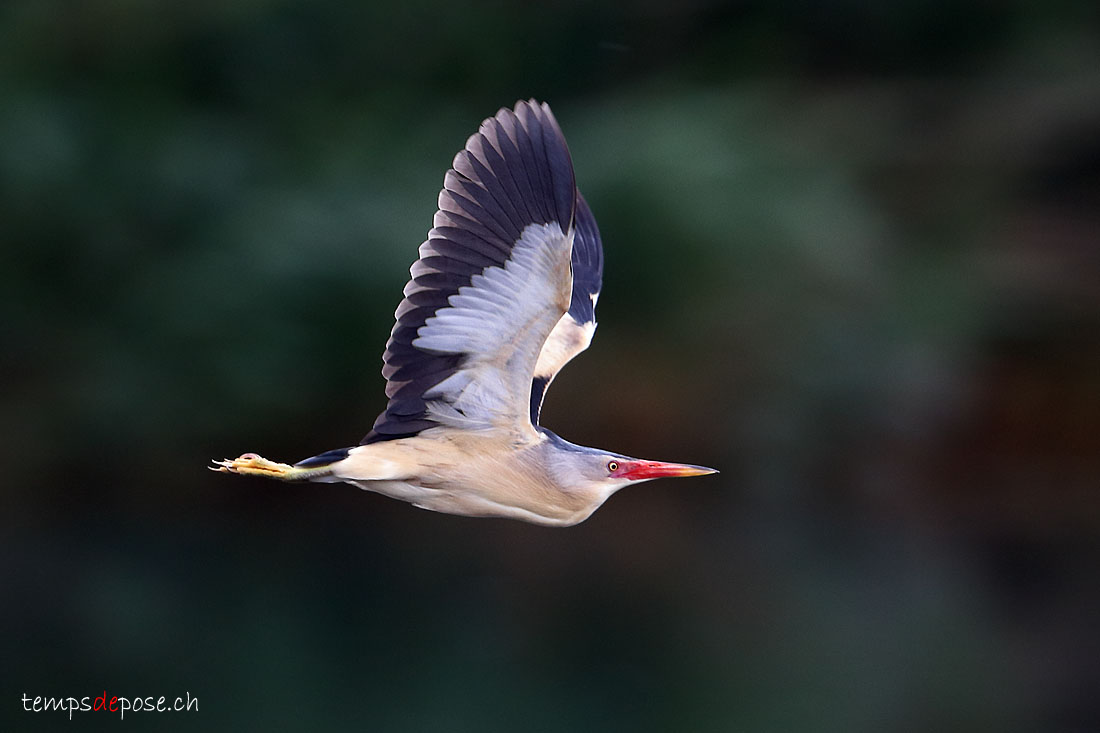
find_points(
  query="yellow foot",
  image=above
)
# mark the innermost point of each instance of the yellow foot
(251, 464)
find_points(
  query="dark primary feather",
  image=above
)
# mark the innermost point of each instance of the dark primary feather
(515, 171)
(587, 262)
(538, 393)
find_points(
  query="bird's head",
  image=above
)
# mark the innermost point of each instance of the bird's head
(601, 473)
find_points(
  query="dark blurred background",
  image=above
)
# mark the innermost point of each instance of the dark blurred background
(853, 260)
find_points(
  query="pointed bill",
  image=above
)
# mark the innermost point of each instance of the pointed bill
(646, 470)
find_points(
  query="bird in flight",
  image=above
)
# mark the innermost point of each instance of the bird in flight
(502, 296)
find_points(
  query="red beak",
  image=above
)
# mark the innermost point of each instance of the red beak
(645, 470)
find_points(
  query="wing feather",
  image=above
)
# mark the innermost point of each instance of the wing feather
(492, 281)
(573, 332)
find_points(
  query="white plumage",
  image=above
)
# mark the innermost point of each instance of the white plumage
(502, 320)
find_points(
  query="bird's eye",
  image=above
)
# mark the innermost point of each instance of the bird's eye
(613, 466)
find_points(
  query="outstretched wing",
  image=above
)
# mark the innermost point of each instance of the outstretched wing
(574, 330)
(492, 281)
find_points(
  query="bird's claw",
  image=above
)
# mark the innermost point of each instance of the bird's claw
(251, 464)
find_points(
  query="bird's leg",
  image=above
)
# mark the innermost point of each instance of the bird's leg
(251, 464)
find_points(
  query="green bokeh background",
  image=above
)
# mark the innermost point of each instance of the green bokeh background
(853, 260)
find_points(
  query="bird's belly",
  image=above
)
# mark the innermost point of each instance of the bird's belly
(476, 504)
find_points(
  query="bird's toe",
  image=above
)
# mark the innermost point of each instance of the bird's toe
(251, 464)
